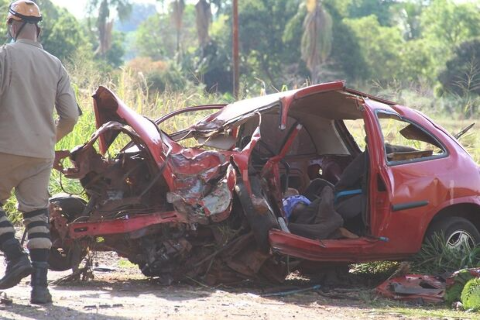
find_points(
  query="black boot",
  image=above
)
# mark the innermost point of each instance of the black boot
(40, 293)
(18, 264)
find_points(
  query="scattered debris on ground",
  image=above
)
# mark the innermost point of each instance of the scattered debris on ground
(460, 289)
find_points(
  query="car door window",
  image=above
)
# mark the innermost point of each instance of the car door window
(405, 141)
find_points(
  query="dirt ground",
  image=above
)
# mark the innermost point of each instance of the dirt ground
(125, 293)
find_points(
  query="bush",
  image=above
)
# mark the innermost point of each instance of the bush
(436, 257)
(462, 72)
(159, 75)
(471, 295)
(454, 292)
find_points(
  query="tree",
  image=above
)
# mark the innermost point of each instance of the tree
(156, 37)
(380, 47)
(445, 25)
(178, 7)
(212, 63)
(346, 60)
(62, 35)
(317, 37)
(407, 15)
(263, 52)
(203, 20)
(415, 62)
(104, 25)
(450, 23)
(462, 72)
(214, 67)
(140, 13)
(379, 8)
(203, 17)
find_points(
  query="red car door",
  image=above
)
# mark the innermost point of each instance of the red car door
(349, 250)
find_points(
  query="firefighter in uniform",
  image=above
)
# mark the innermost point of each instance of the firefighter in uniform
(32, 84)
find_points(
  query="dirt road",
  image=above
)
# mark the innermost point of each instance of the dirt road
(126, 294)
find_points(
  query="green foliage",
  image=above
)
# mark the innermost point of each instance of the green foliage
(213, 67)
(294, 27)
(156, 37)
(114, 56)
(265, 54)
(170, 79)
(446, 24)
(379, 40)
(462, 73)
(346, 59)
(415, 61)
(65, 36)
(159, 76)
(3, 13)
(62, 35)
(471, 295)
(126, 264)
(380, 47)
(437, 257)
(379, 8)
(454, 292)
(406, 15)
(376, 268)
(449, 23)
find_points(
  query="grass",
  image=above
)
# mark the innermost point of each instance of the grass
(386, 307)
(436, 257)
(125, 264)
(382, 307)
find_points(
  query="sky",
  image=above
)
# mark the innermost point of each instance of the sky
(77, 7)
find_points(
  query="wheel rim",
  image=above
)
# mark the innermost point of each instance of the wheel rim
(459, 239)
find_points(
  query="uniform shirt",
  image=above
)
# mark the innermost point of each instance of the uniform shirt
(32, 83)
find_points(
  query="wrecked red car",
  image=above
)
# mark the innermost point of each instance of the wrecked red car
(206, 201)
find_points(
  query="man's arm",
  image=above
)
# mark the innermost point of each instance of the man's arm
(66, 106)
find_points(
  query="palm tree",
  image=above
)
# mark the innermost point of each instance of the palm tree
(178, 7)
(101, 9)
(203, 20)
(317, 37)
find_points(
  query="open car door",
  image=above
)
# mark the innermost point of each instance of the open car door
(376, 203)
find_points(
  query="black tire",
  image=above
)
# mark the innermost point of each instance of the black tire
(58, 260)
(259, 223)
(62, 259)
(456, 231)
(71, 205)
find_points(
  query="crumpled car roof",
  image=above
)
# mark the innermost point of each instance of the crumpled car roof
(242, 108)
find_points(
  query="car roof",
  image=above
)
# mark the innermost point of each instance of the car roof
(244, 108)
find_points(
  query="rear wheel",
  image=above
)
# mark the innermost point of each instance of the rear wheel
(63, 257)
(457, 231)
